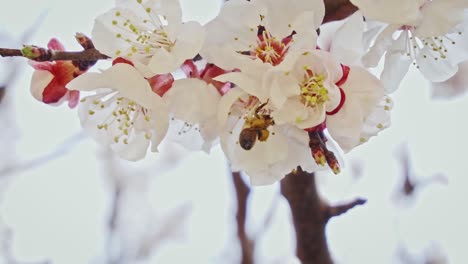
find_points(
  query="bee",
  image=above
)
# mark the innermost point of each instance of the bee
(255, 128)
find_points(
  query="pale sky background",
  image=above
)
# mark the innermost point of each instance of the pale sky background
(58, 211)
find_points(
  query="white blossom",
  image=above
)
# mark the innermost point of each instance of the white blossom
(124, 113)
(150, 31)
(265, 33)
(429, 34)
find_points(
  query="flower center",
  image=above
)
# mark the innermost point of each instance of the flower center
(145, 35)
(270, 49)
(437, 47)
(313, 92)
(122, 117)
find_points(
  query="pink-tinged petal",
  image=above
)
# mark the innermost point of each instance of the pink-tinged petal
(190, 69)
(39, 81)
(44, 66)
(53, 92)
(210, 72)
(161, 83)
(55, 44)
(73, 98)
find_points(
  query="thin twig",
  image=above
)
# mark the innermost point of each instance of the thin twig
(54, 55)
(58, 152)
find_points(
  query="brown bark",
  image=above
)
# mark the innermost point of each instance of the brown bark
(242, 194)
(338, 10)
(310, 216)
(53, 55)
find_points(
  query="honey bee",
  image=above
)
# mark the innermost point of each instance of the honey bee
(255, 128)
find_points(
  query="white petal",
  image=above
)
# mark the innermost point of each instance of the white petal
(435, 20)
(363, 92)
(282, 87)
(163, 62)
(455, 86)
(402, 12)
(435, 69)
(120, 77)
(192, 100)
(39, 81)
(284, 16)
(135, 149)
(189, 42)
(247, 83)
(295, 113)
(382, 43)
(347, 45)
(225, 104)
(396, 65)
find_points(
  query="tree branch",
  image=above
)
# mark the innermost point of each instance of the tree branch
(310, 216)
(54, 55)
(337, 210)
(242, 194)
(338, 10)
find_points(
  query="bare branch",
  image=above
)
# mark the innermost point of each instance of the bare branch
(54, 55)
(242, 194)
(58, 152)
(310, 216)
(337, 210)
(309, 219)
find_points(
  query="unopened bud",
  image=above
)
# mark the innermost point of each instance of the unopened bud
(34, 52)
(84, 41)
(332, 162)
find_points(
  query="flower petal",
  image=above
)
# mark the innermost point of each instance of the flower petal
(39, 82)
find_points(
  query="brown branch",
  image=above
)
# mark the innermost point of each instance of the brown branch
(310, 216)
(53, 55)
(242, 194)
(2, 92)
(338, 10)
(337, 210)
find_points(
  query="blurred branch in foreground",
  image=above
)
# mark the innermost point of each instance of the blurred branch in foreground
(58, 152)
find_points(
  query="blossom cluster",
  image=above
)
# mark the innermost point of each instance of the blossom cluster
(258, 79)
